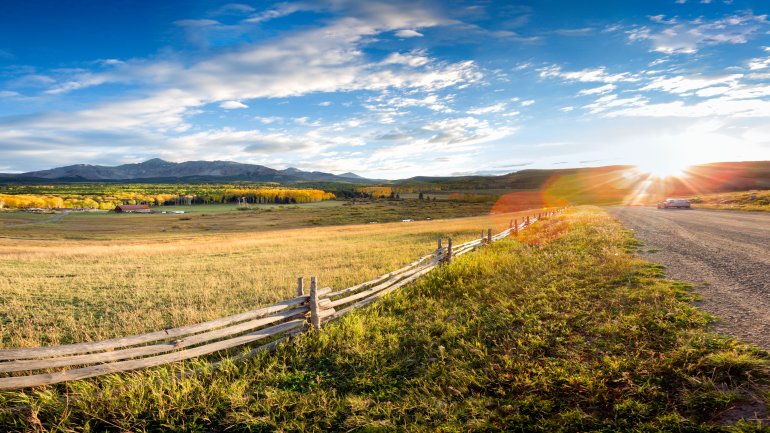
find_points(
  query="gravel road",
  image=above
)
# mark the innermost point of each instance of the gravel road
(725, 254)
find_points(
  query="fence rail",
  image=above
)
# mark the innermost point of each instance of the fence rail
(277, 322)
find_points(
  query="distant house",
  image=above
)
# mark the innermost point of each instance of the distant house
(132, 208)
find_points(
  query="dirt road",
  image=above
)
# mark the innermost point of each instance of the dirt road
(726, 254)
(56, 217)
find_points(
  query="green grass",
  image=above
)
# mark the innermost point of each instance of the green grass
(562, 330)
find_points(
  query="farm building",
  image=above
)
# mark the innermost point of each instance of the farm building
(132, 208)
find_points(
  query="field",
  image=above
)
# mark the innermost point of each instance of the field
(94, 276)
(226, 219)
(744, 200)
(563, 329)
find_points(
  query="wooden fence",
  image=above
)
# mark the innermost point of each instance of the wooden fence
(275, 323)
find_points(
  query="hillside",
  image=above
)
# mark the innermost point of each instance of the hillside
(716, 177)
(753, 200)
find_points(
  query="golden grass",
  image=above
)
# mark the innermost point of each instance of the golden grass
(743, 200)
(64, 291)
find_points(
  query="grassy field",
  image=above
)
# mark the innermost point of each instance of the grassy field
(744, 200)
(63, 290)
(213, 220)
(563, 329)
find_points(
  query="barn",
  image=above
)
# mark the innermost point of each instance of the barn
(132, 208)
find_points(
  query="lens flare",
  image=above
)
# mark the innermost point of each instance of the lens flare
(664, 169)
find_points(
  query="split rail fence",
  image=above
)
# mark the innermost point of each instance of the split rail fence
(275, 323)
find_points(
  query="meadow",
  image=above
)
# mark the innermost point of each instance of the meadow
(742, 200)
(560, 329)
(95, 276)
(214, 219)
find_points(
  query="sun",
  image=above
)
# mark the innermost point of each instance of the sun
(663, 168)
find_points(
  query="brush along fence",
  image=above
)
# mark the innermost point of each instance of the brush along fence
(21, 368)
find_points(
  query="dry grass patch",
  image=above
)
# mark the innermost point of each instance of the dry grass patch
(64, 291)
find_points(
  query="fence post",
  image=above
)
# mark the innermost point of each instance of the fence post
(527, 221)
(439, 244)
(516, 228)
(300, 284)
(489, 236)
(448, 257)
(315, 320)
(483, 241)
(510, 224)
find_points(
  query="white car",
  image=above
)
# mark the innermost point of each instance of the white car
(675, 203)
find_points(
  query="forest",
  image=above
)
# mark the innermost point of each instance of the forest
(107, 196)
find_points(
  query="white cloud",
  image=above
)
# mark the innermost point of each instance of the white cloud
(686, 37)
(281, 10)
(590, 75)
(268, 120)
(760, 62)
(232, 105)
(609, 102)
(235, 142)
(197, 23)
(495, 108)
(329, 58)
(527, 103)
(583, 31)
(598, 90)
(720, 107)
(408, 33)
(391, 105)
(414, 59)
(449, 137)
(682, 84)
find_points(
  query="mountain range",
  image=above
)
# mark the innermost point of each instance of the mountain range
(158, 170)
(715, 177)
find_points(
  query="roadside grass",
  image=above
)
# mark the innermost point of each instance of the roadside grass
(563, 329)
(744, 200)
(66, 291)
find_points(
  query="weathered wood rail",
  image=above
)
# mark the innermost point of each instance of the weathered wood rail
(30, 367)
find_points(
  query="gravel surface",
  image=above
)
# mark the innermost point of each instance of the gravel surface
(725, 254)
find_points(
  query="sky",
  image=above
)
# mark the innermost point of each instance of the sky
(385, 89)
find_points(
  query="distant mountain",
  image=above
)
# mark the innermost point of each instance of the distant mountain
(350, 175)
(158, 170)
(716, 177)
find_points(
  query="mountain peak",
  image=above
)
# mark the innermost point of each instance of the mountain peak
(155, 161)
(350, 175)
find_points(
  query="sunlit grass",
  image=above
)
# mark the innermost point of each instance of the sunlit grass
(744, 200)
(64, 291)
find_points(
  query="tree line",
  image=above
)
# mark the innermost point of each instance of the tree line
(110, 201)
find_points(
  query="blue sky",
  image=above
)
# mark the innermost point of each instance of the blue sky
(385, 89)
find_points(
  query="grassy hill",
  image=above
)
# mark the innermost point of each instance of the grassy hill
(745, 200)
(563, 329)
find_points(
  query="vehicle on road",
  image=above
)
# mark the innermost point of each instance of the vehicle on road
(675, 203)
